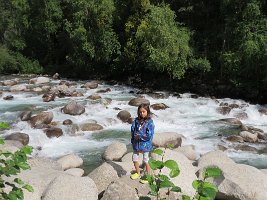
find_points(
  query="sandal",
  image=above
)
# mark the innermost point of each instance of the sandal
(135, 176)
(144, 181)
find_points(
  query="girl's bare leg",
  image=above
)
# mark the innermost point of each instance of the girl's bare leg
(137, 168)
(147, 169)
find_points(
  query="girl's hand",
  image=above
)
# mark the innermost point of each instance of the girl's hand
(136, 136)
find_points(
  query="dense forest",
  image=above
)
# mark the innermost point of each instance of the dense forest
(216, 47)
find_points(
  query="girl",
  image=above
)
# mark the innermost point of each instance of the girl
(142, 134)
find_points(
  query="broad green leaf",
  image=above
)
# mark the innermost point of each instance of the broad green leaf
(204, 198)
(197, 184)
(24, 165)
(149, 178)
(174, 173)
(158, 151)
(6, 154)
(12, 195)
(208, 192)
(18, 181)
(185, 197)
(212, 172)
(27, 149)
(153, 190)
(163, 177)
(209, 185)
(176, 189)
(2, 141)
(155, 164)
(28, 187)
(171, 164)
(166, 184)
(4, 125)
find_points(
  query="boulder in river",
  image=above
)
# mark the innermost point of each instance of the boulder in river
(263, 111)
(91, 127)
(241, 115)
(21, 137)
(70, 161)
(164, 139)
(248, 137)
(25, 116)
(90, 85)
(232, 121)
(223, 110)
(53, 132)
(8, 97)
(75, 172)
(235, 138)
(18, 88)
(56, 76)
(73, 108)
(42, 118)
(10, 82)
(42, 80)
(115, 151)
(94, 97)
(159, 106)
(49, 97)
(138, 101)
(67, 122)
(124, 115)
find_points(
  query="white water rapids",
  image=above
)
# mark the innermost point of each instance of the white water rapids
(193, 118)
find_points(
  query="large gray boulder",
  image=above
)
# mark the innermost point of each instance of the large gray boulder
(224, 110)
(42, 118)
(125, 188)
(235, 138)
(50, 96)
(70, 161)
(264, 171)
(187, 170)
(18, 88)
(41, 80)
(90, 85)
(138, 101)
(248, 137)
(21, 137)
(103, 176)
(232, 121)
(159, 106)
(90, 127)
(10, 82)
(188, 150)
(69, 187)
(73, 108)
(239, 181)
(124, 115)
(115, 151)
(75, 172)
(167, 138)
(11, 146)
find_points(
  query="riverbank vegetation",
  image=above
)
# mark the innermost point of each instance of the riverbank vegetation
(209, 47)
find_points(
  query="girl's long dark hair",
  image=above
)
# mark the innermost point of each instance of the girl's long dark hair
(146, 107)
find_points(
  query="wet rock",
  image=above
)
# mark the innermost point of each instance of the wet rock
(159, 95)
(37, 89)
(175, 94)
(262, 136)
(46, 88)
(90, 127)
(42, 126)
(69, 187)
(253, 129)
(42, 118)
(75, 172)
(49, 97)
(104, 91)
(224, 110)
(10, 82)
(124, 115)
(244, 127)
(56, 76)
(115, 151)
(138, 101)
(94, 97)
(77, 94)
(67, 122)
(234, 105)
(53, 132)
(42, 80)
(105, 101)
(249, 137)
(25, 116)
(194, 96)
(246, 148)
(167, 138)
(73, 108)
(103, 176)
(159, 106)
(241, 115)
(263, 111)
(11, 145)
(8, 97)
(235, 138)
(70, 161)
(23, 138)
(221, 147)
(223, 104)
(116, 108)
(63, 90)
(18, 88)
(90, 85)
(130, 120)
(232, 121)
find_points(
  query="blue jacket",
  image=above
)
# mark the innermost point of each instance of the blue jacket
(145, 135)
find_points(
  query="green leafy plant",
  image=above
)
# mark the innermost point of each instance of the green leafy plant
(204, 189)
(12, 164)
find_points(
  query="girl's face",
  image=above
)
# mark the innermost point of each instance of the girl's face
(143, 112)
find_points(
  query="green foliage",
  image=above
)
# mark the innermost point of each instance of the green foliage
(11, 62)
(12, 164)
(204, 189)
